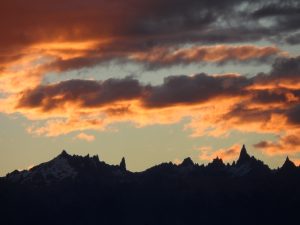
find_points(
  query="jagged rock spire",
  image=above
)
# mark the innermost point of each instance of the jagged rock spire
(244, 156)
(288, 164)
(123, 164)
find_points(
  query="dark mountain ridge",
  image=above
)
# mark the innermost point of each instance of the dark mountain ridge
(66, 166)
(84, 190)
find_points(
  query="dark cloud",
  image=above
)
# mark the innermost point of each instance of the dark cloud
(283, 70)
(280, 101)
(293, 115)
(285, 144)
(262, 144)
(257, 105)
(293, 39)
(284, 15)
(278, 95)
(135, 25)
(87, 93)
(244, 115)
(269, 96)
(175, 90)
(194, 89)
(286, 67)
(284, 8)
(292, 140)
(61, 65)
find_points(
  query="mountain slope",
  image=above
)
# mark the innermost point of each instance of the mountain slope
(81, 190)
(66, 167)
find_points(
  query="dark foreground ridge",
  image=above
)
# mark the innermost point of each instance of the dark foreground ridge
(84, 190)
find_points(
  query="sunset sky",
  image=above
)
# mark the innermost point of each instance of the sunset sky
(151, 80)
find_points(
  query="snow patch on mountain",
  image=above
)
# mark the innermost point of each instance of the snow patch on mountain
(57, 169)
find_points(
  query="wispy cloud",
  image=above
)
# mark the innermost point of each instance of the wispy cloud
(85, 137)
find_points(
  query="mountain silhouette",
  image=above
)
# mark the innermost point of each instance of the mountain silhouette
(244, 156)
(187, 162)
(72, 189)
(123, 164)
(288, 167)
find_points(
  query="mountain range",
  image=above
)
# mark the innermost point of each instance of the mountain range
(71, 189)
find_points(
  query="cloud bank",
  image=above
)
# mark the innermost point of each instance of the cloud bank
(266, 103)
(41, 37)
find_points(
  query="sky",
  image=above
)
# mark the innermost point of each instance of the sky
(154, 80)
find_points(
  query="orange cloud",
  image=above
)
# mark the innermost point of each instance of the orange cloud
(296, 161)
(103, 118)
(286, 144)
(217, 53)
(226, 154)
(85, 137)
(215, 104)
(58, 127)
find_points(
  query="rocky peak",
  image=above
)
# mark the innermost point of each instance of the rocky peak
(217, 163)
(63, 154)
(288, 164)
(123, 164)
(244, 156)
(187, 162)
